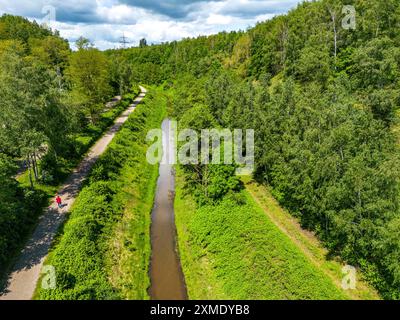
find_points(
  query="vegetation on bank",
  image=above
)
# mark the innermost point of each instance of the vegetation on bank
(306, 241)
(323, 101)
(104, 248)
(231, 250)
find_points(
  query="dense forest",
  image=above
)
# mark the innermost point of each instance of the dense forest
(324, 103)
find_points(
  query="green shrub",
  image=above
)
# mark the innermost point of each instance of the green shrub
(119, 195)
(231, 250)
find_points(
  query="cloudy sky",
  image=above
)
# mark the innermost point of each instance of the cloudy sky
(104, 22)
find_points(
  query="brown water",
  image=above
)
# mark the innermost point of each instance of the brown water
(167, 280)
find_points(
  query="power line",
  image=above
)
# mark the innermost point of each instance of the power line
(124, 41)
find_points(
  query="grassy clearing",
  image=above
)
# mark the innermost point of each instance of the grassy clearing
(234, 251)
(304, 240)
(103, 251)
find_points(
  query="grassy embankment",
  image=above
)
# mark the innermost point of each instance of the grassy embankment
(104, 248)
(306, 241)
(236, 251)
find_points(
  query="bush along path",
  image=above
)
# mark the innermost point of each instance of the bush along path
(53, 171)
(103, 250)
(22, 281)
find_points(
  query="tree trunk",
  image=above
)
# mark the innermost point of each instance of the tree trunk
(333, 16)
(30, 171)
(35, 166)
(283, 42)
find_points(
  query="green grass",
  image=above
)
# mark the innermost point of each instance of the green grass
(103, 250)
(233, 251)
(306, 241)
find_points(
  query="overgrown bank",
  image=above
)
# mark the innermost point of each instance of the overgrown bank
(231, 250)
(103, 250)
(307, 242)
(323, 101)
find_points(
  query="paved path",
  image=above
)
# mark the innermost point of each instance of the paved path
(22, 281)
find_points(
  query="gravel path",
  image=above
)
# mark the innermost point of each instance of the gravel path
(22, 281)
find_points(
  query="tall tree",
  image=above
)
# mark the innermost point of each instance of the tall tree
(89, 74)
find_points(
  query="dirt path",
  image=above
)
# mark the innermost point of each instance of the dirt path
(22, 281)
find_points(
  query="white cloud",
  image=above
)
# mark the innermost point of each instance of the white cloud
(217, 19)
(104, 22)
(119, 14)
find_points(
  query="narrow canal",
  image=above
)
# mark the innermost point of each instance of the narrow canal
(167, 280)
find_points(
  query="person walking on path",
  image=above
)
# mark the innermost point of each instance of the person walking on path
(59, 202)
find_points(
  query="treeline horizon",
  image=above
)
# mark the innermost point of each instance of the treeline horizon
(323, 101)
